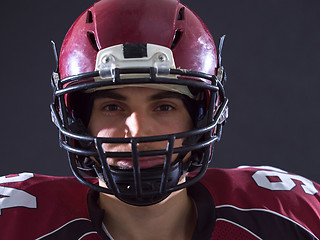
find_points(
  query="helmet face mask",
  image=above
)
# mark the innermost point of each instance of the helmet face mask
(144, 64)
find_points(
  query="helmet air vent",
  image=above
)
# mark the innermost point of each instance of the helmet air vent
(176, 38)
(181, 14)
(89, 17)
(92, 40)
(178, 32)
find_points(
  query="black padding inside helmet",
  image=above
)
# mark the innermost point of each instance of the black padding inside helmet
(81, 104)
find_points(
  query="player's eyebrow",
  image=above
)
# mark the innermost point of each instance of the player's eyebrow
(109, 94)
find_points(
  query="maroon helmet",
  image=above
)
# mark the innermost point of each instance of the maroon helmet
(159, 44)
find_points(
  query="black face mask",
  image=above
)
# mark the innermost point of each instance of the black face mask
(134, 185)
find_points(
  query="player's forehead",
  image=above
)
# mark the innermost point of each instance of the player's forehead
(131, 93)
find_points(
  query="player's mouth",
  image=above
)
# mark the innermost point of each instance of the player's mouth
(144, 162)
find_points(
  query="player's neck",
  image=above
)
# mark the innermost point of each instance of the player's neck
(173, 218)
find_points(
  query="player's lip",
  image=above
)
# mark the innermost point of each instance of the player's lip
(144, 162)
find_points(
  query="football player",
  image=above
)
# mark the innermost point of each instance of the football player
(139, 101)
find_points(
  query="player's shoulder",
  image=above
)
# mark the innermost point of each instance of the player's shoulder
(257, 179)
(56, 201)
(32, 191)
(267, 192)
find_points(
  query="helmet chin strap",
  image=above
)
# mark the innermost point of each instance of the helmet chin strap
(151, 190)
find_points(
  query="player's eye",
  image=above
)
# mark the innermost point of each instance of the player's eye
(112, 107)
(164, 107)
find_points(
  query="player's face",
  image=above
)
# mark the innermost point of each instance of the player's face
(138, 112)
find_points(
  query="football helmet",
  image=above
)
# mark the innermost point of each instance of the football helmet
(159, 44)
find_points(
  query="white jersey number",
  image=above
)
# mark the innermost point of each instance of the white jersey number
(285, 181)
(12, 197)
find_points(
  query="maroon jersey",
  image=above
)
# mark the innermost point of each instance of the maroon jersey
(44, 207)
(242, 203)
(263, 203)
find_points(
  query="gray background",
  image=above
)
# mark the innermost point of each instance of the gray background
(271, 54)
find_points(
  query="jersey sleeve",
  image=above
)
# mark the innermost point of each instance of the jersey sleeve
(44, 207)
(266, 202)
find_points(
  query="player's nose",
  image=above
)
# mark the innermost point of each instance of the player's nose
(139, 124)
